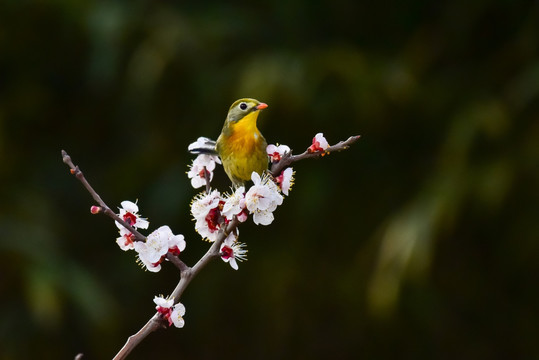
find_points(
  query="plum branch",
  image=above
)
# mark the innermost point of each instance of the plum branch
(288, 159)
(187, 273)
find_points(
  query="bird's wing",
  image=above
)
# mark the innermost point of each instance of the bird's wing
(203, 145)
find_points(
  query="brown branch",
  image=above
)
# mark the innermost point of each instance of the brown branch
(188, 273)
(152, 325)
(177, 262)
(288, 159)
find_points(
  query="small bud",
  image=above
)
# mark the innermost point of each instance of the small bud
(72, 171)
(96, 209)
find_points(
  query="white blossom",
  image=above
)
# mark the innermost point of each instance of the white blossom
(232, 251)
(152, 251)
(176, 316)
(201, 164)
(206, 210)
(276, 152)
(173, 314)
(129, 214)
(319, 143)
(262, 199)
(234, 204)
(285, 180)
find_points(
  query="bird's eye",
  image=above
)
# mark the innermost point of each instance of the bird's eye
(243, 106)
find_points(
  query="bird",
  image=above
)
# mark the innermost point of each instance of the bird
(241, 146)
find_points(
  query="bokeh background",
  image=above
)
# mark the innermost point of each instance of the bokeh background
(421, 241)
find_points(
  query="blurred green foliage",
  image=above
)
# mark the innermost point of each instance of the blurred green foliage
(421, 241)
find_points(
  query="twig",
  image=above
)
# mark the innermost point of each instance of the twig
(152, 325)
(288, 159)
(105, 209)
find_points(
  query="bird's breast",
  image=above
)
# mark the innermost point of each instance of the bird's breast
(244, 135)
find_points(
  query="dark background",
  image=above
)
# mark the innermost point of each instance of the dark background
(421, 241)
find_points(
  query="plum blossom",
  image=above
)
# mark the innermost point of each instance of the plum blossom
(276, 152)
(262, 199)
(153, 251)
(170, 312)
(232, 251)
(126, 241)
(203, 165)
(203, 202)
(163, 303)
(176, 244)
(320, 144)
(176, 316)
(129, 213)
(235, 205)
(206, 210)
(285, 180)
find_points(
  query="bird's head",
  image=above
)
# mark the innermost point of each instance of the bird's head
(243, 107)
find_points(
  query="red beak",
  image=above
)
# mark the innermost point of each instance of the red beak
(261, 106)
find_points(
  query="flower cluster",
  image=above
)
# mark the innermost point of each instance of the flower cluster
(170, 312)
(153, 251)
(211, 212)
(206, 210)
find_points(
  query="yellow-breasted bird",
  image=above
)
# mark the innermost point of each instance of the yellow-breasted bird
(241, 146)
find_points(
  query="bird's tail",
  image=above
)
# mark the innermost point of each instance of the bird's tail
(203, 145)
